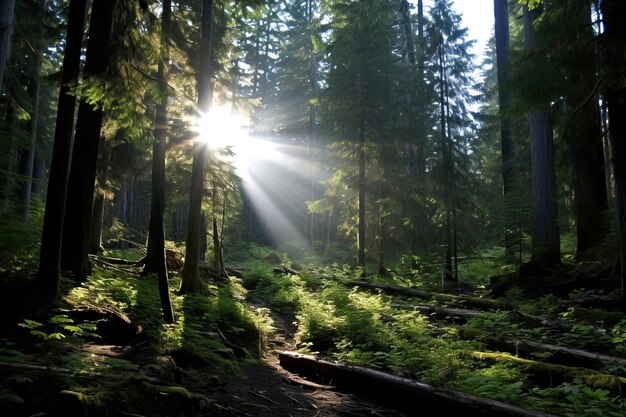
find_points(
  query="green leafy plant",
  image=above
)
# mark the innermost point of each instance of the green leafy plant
(60, 327)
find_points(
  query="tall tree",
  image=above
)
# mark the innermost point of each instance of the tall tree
(502, 37)
(191, 272)
(81, 181)
(454, 65)
(545, 238)
(358, 86)
(583, 131)
(155, 260)
(614, 68)
(51, 239)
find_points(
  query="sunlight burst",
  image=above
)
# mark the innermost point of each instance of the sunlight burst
(265, 167)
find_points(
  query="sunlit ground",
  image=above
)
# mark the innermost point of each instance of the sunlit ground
(274, 175)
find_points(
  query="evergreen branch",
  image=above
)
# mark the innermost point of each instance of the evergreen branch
(161, 82)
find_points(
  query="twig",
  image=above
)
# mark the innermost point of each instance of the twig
(294, 400)
(264, 397)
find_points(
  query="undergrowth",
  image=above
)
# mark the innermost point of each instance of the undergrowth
(366, 328)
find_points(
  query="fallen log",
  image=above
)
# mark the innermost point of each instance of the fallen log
(560, 354)
(409, 394)
(415, 292)
(437, 311)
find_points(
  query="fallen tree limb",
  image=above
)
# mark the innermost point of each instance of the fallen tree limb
(414, 292)
(402, 391)
(77, 373)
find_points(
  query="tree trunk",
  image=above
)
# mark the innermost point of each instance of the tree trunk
(545, 237)
(81, 182)
(362, 189)
(28, 157)
(446, 165)
(501, 13)
(11, 167)
(51, 238)
(39, 171)
(614, 60)
(584, 131)
(155, 246)
(312, 125)
(218, 250)
(6, 33)
(191, 272)
(97, 218)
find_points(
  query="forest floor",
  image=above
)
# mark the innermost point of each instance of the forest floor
(268, 390)
(154, 386)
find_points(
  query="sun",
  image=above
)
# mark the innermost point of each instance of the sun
(223, 128)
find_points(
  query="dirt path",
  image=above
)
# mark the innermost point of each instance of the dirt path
(270, 391)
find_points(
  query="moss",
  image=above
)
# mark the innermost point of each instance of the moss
(594, 379)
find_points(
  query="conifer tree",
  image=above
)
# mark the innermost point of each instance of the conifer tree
(360, 57)
(191, 272)
(51, 239)
(545, 237)
(454, 65)
(155, 259)
(614, 70)
(502, 38)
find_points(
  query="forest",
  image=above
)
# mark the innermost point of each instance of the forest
(309, 208)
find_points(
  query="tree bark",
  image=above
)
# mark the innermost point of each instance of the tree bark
(28, 156)
(584, 130)
(362, 189)
(501, 15)
(446, 274)
(545, 239)
(51, 238)
(155, 259)
(614, 66)
(6, 33)
(97, 218)
(191, 270)
(81, 182)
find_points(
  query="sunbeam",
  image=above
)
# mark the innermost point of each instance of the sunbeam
(267, 169)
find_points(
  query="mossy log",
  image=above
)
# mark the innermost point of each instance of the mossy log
(465, 300)
(558, 354)
(550, 374)
(406, 393)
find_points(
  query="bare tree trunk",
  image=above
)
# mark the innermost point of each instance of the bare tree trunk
(362, 189)
(584, 130)
(191, 272)
(6, 33)
(97, 218)
(614, 60)
(51, 238)
(445, 153)
(545, 239)
(82, 178)
(28, 157)
(501, 13)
